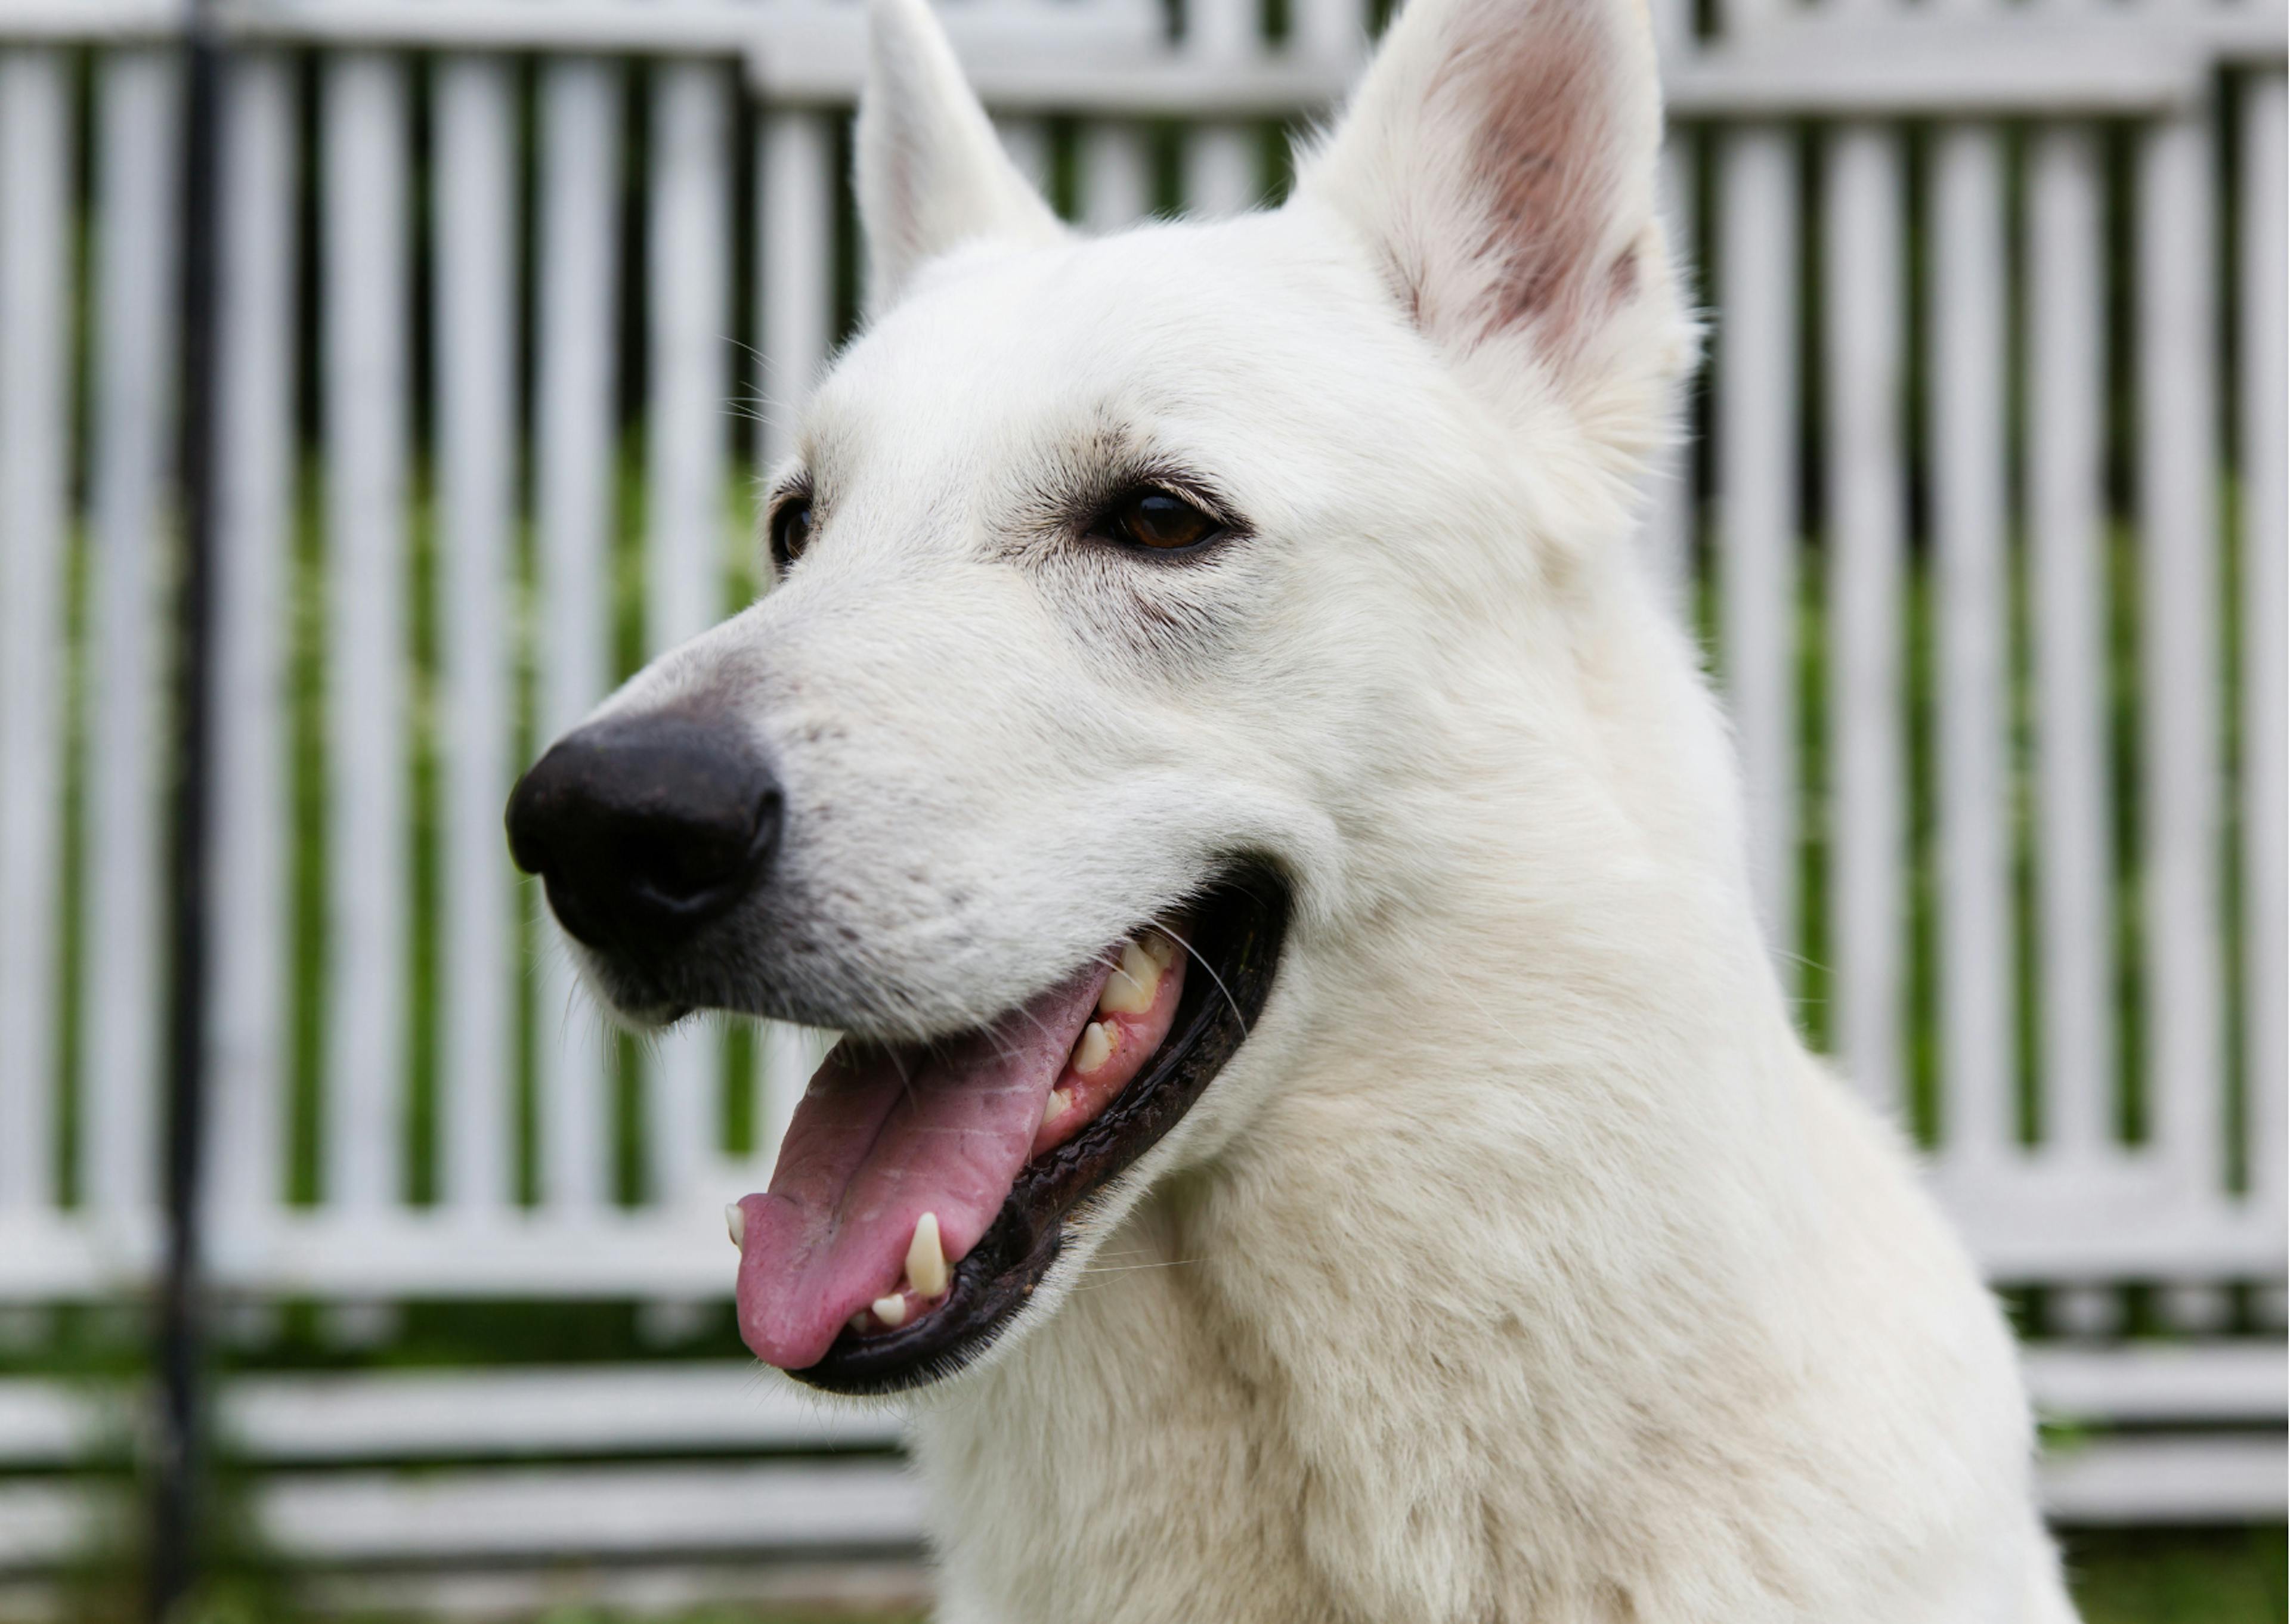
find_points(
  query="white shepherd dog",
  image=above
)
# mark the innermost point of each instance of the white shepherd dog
(1319, 1137)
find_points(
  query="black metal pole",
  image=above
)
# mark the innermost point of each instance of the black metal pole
(177, 1469)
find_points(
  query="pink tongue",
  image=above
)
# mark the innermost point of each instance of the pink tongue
(883, 1136)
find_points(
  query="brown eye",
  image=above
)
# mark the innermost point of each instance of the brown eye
(790, 528)
(1161, 520)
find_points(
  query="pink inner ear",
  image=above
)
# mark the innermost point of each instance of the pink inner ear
(1537, 104)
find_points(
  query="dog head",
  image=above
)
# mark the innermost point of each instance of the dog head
(1123, 584)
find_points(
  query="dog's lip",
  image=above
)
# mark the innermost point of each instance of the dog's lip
(1239, 928)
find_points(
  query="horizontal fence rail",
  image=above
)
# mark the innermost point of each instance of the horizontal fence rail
(1983, 526)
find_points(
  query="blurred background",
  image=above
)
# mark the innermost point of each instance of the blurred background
(497, 310)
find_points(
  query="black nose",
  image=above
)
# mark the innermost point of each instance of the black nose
(646, 827)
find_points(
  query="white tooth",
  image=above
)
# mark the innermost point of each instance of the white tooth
(1056, 1106)
(927, 1259)
(1163, 951)
(736, 1222)
(1096, 1044)
(1129, 990)
(891, 1310)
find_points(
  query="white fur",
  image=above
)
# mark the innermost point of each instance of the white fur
(1522, 1265)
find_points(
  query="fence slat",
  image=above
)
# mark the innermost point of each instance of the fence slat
(36, 129)
(2180, 667)
(525, 1513)
(2263, 275)
(1117, 176)
(1966, 436)
(1223, 171)
(2068, 598)
(476, 338)
(363, 131)
(795, 166)
(1027, 140)
(1223, 165)
(790, 1054)
(135, 337)
(1671, 515)
(1756, 465)
(254, 465)
(450, 1414)
(689, 415)
(574, 477)
(1329, 31)
(1862, 183)
(690, 321)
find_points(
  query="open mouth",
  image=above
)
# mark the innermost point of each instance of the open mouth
(923, 1191)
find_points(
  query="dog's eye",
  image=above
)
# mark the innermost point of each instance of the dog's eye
(790, 528)
(1161, 520)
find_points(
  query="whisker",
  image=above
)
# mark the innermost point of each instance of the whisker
(1209, 969)
(906, 1078)
(1008, 1052)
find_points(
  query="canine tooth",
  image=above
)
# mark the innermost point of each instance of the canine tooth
(1095, 1046)
(926, 1257)
(891, 1310)
(1056, 1106)
(1129, 990)
(736, 1222)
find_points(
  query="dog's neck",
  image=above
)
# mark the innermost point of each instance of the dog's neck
(1564, 883)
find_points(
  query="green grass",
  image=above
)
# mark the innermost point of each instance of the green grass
(2180, 1576)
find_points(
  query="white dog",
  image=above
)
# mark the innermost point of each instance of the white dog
(1320, 1139)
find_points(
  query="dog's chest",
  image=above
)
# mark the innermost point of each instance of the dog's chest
(1116, 1469)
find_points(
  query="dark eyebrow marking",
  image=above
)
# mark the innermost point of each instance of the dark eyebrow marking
(1111, 460)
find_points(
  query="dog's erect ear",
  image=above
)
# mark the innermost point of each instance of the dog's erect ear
(931, 173)
(1499, 157)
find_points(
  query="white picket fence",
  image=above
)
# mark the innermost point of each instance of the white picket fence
(483, 267)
